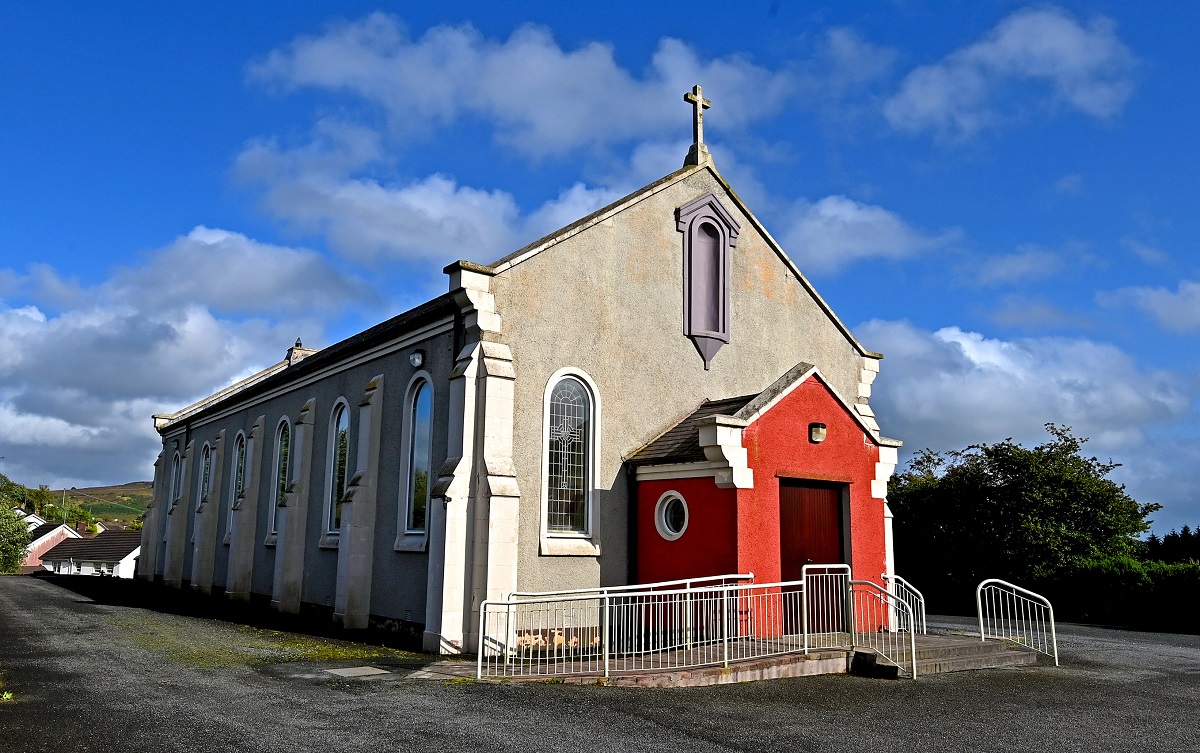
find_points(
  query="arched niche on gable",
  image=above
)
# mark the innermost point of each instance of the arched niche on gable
(709, 234)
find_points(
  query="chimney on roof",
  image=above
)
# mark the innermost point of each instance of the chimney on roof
(298, 352)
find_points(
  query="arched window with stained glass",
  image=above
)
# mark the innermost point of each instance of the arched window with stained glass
(569, 437)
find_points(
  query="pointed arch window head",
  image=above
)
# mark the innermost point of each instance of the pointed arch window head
(570, 437)
(709, 234)
(339, 460)
(283, 456)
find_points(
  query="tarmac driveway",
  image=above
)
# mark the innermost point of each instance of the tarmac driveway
(92, 677)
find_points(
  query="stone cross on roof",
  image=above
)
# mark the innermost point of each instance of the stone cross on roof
(698, 154)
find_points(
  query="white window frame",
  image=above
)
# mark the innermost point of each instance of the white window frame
(660, 520)
(273, 512)
(409, 540)
(330, 534)
(566, 543)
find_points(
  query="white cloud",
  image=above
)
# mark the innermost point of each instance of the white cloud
(319, 188)
(1084, 66)
(951, 388)
(231, 273)
(1177, 310)
(79, 381)
(1028, 263)
(1032, 312)
(1147, 253)
(846, 61)
(837, 231)
(577, 201)
(543, 99)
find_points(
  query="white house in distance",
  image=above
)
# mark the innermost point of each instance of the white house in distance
(46, 536)
(32, 519)
(111, 553)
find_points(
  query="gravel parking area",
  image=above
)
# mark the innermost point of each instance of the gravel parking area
(94, 677)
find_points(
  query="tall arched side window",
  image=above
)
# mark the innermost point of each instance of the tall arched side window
(420, 419)
(568, 466)
(239, 476)
(205, 475)
(176, 485)
(709, 234)
(339, 457)
(283, 457)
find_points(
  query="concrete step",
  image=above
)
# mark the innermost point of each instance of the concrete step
(957, 647)
(936, 654)
(1006, 658)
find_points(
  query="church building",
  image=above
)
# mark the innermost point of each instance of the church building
(652, 392)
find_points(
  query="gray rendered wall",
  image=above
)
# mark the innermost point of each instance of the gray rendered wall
(609, 301)
(398, 580)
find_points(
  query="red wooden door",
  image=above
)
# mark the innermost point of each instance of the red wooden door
(810, 526)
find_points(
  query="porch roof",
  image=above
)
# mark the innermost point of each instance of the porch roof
(681, 443)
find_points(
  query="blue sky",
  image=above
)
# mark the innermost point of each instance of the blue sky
(1001, 197)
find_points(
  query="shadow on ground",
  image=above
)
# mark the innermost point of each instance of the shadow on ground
(312, 620)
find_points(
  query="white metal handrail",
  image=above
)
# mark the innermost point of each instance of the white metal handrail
(640, 631)
(909, 594)
(875, 614)
(718, 580)
(1009, 612)
(630, 629)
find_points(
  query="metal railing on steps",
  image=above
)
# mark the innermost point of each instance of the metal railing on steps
(883, 623)
(690, 623)
(909, 594)
(1009, 612)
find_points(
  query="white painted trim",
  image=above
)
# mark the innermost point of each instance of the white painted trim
(572, 544)
(870, 430)
(721, 438)
(412, 540)
(441, 326)
(660, 521)
(328, 531)
(668, 471)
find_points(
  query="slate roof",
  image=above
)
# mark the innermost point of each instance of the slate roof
(398, 325)
(681, 443)
(43, 530)
(110, 546)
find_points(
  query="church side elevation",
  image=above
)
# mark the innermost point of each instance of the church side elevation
(652, 392)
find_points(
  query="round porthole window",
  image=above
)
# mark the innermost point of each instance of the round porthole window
(671, 516)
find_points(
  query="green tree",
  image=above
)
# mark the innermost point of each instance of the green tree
(1006, 511)
(14, 539)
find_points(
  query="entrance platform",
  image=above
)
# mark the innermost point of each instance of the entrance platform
(935, 654)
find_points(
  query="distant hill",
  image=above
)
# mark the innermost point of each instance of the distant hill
(124, 502)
